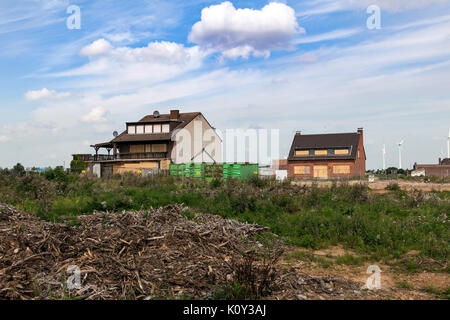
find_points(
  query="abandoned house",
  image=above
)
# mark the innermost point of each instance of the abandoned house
(440, 170)
(335, 155)
(155, 141)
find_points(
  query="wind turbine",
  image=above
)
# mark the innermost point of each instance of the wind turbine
(448, 145)
(400, 144)
(384, 157)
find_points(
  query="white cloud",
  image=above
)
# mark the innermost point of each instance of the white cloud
(245, 32)
(158, 61)
(392, 5)
(96, 115)
(4, 138)
(44, 93)
(97, 48)
(329, 6)
(332, 35)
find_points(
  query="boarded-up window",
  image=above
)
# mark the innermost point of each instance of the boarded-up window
(302, 152)
(320, 152)
(341, 151)
(131, 129)
(302, 170)
(137, 148)
(148, 128)
(159, 147)
(139, 129)
(157, 128)
(165, 128)
(341, 169)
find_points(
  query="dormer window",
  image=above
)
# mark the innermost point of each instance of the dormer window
(341, 152)
(139, 129)
(320, 152)
(148, 128)
(165, 128)
(157, 128)
(131, 129)
(301, 153)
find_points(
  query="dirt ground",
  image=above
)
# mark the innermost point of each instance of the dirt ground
(162, 253)
(379, 186)
(394, 285)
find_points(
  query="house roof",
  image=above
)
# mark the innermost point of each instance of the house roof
(325, 141)
(183, 120)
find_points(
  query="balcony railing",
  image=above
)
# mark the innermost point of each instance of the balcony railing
(125, 156)
(143, 155)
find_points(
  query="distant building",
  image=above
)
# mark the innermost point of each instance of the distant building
(335, 155)
(154, 142)
(280, 164)
(441, 170)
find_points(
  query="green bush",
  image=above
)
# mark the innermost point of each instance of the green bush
(383, 225)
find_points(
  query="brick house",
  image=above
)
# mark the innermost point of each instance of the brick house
(154, 142)
(441, 170)
(335, 155)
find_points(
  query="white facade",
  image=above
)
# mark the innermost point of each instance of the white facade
(197, 142)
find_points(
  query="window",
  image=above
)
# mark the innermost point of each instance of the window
(157, 128)
(137, 148)
(160, 147)
(165, 128)
(302, 152)
(148, 148)
(139, 129)
(341, 151)
(148, 128)
(302, 170)
(131, 129)
(341, 169)
(320, 152)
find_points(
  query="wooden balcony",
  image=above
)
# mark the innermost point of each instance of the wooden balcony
(126, 156)
(143, 155)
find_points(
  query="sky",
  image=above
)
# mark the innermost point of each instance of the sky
(314, 66)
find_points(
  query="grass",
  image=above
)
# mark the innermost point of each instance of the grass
(403, 284)
(440, 293)
(384, 226)
(349, 259)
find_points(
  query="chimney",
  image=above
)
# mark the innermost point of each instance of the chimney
(174, 114)
(360, 132)
(298, 133)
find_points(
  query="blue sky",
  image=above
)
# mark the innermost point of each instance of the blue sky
(289, 65)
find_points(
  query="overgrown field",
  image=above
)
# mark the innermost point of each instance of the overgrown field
(379, 226)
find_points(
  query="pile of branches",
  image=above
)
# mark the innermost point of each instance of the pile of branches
(157, 253)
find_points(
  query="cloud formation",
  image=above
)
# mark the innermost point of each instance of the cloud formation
(393, 5)
(96, 48)
(96, 115)
(244, 32)
(330, 6)
(34, 95)
(158, 61)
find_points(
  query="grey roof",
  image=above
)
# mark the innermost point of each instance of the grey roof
(325, 141)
